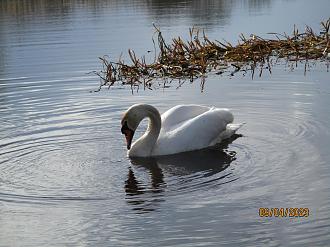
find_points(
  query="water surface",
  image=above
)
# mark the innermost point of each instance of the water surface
(65, 178)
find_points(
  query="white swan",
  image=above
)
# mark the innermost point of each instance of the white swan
(180, 129)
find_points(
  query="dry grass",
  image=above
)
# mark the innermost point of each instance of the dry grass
(187, 60)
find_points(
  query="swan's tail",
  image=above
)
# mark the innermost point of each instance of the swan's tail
(229, 132)
(234, 127)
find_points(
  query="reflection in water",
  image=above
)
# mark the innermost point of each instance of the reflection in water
(257, 5)
(209, 12)
(196, 8)
(203, 12)
(206, 163)
(134, 188)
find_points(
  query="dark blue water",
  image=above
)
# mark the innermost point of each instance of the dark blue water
(65, 179)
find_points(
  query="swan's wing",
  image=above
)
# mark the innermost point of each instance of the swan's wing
(195, 133)
(181, 113)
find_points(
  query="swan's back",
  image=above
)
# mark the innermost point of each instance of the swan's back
(191, 127)
(181, 113)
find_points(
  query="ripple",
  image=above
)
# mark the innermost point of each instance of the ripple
(270, 147)
(65, 149)
(65, 179)
(14, 198)
(49, 139)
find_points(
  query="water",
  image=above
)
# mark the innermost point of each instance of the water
(65, 179)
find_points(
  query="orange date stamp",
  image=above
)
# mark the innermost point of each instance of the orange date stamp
(283, 212)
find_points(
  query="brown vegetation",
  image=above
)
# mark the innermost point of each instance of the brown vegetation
(187, 60)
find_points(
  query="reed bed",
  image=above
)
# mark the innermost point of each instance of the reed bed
(184, 61)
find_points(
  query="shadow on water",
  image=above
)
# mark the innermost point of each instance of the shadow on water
(189, 170)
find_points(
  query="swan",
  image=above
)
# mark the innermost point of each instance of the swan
(180, 129)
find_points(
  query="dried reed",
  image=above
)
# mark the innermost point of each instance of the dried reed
(187, 60)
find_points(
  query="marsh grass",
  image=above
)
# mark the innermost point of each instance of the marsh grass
(189, 60)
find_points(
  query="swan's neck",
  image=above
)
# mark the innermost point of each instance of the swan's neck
(143, 147)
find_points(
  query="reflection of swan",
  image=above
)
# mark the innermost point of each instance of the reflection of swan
(207, 163)
(180, 129)
(213, 160)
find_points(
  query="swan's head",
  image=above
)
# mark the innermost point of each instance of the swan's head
(130, 121)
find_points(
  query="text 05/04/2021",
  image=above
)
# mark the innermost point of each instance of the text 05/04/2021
(283, 212)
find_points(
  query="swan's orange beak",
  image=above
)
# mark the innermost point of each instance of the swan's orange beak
(128, 134)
